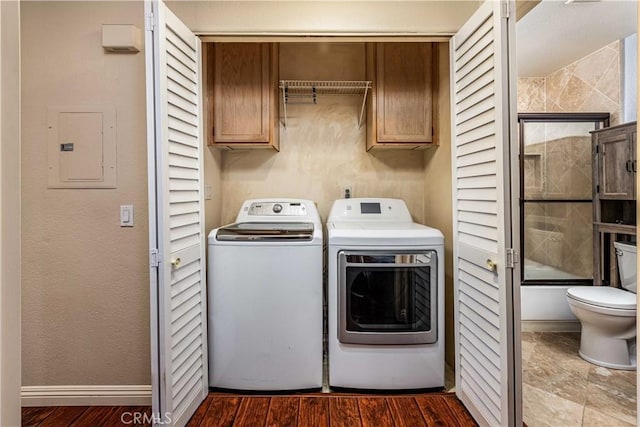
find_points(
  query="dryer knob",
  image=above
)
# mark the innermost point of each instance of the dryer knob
(277, 208)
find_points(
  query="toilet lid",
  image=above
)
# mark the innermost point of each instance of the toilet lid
(604, 296)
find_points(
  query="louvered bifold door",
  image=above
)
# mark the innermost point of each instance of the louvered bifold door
(483, 130)
(179, 296)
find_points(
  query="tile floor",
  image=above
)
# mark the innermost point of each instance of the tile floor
(561, 389)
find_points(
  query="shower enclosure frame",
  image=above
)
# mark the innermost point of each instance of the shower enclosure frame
(600, 120)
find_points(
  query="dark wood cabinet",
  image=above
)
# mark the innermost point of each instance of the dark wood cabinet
(616, 162)
(243, 99)
(400, 114)
(614, 196)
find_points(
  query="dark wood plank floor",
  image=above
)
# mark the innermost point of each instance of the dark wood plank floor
(335, 410)
(85, 416)
(312, 410)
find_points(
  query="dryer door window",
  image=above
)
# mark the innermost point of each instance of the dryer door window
(388, 298)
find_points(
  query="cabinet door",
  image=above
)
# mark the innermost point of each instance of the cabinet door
(242, 93)
(615, 166)
(404, 98)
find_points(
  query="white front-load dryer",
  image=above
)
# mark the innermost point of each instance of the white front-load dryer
(265, 298)
(386, 297)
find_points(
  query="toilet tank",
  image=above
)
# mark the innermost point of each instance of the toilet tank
(627, 260)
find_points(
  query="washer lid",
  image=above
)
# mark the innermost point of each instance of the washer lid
(266, 231)
(604, 296)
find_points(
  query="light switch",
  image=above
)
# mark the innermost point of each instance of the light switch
(126, 215)
(207, 192)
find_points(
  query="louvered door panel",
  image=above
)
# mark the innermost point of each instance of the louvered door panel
(181, 337)
(484, 364)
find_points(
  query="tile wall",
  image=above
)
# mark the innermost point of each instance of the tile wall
(559, 235)
(591, 84)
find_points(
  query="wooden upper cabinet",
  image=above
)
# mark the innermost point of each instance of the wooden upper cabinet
(401, 109)
(245, 99)
(616, 162)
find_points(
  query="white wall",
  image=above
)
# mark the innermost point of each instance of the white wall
(545, 303)
(324, 17)
(10, 213)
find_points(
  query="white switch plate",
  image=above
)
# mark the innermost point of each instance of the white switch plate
(126, 215)
(207, 192)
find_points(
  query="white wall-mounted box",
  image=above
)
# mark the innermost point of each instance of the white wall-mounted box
(121, 38)
(81, 146)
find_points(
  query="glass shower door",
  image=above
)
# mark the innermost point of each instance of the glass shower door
(556, 192)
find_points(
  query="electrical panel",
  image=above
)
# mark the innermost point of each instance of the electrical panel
(81, 147)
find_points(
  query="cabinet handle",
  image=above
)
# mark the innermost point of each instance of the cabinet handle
(627, 166)
(634, 165)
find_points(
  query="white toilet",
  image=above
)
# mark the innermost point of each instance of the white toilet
(608, 316)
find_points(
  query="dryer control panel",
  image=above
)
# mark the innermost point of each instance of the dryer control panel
(369, 209)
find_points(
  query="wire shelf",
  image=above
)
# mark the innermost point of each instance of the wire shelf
(318, 87)
(307, 91)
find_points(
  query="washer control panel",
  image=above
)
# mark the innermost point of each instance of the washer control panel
(277, 209)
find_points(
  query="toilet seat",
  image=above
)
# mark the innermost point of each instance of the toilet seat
(604, 296)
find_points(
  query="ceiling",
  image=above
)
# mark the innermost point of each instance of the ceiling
(554, 34)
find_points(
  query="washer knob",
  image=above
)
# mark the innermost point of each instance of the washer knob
(277, 208)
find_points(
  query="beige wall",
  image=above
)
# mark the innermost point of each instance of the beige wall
(85, 279)
(212, 160)
(322, 150)
(438, 192)
(212, 177)
(591, 84)
(10, 214)
(322, 17)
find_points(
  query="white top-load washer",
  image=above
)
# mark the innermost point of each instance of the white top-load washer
(265, 298)
(386, 297)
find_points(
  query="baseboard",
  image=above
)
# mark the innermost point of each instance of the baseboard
(87, 395)
(550, 326)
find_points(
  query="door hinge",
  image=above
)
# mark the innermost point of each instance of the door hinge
(154, 259)
(148, 21)
(504, 9)
(512, 258)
